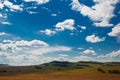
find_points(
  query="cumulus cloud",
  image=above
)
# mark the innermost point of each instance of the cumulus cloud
(4, 34)
(15, 59)
(8, 36)
(109, 57)
(23, 52)
(94, 39)
(14, 46)
(67, 24)
(13, 52)
(41, 51)
(15, 7)
(48, 32)
(113, 56)
(34, 56)
(12, 6)
(100, 13)
(1, 5)
(31, 58)
(38, 1)
(103, 23)
(9, 6)
(89, 51)
(115, 32)
(82, 28)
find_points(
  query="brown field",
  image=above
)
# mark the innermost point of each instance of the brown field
(86, 73)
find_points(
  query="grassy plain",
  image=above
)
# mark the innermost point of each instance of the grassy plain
(58, 71)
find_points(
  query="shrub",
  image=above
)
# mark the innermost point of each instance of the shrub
(3, 70)
(114, 71)
(59, 69)
(38, 67)
(100, 70)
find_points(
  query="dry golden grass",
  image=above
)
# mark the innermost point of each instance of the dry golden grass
(51, 72)
(89, 73)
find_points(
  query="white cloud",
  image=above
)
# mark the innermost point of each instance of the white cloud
(48, 32)
(31, 12)
(94, 39)
(21, 60)
(67, 24)
(29, 8)
(113, 56)
(33, 43)
(100, 13)
(6, 23)
(83, 58)
(1, 15)
(33, 56)
(12, 6)
(109, 57)
(1, 53)
(80, 48)
(103, 23)
(60, 26)
(14, 46)
(3, 34)
(115, 32)
(15, 59)
(47, 9)
(63, 55)
(7, 36)
(1, 5)
(83, 27)
(38, 1)
(45, 50)
(53, 14)
(89, 51)
(23, 52)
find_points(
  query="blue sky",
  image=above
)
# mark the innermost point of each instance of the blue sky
(38, 31)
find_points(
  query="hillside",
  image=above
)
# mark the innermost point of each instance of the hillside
(63, 71)
(4, 65)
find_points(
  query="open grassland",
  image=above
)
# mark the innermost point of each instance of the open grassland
(56, 71)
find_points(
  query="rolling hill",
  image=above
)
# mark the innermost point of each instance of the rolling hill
(63, 71)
